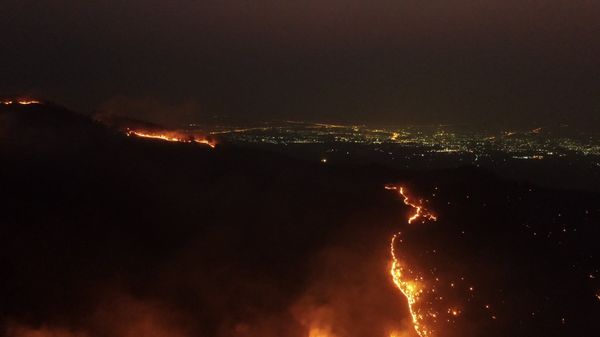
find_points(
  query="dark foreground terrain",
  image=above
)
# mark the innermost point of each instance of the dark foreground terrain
(108, 235)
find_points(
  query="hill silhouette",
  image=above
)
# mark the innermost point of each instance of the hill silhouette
(109, 235)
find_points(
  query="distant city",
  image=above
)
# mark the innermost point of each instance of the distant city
(555, 156)
(537, 143)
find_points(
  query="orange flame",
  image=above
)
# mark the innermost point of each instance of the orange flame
(21, 102)
(410, 288)
(419, 210)
(171, 137)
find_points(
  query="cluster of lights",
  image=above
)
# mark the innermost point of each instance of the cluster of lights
(523, 145)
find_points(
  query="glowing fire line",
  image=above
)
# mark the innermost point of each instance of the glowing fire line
(169, 138)
(411, 289)
(420, 212)
(21, 102)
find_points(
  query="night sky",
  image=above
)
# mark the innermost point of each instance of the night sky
(515, 63)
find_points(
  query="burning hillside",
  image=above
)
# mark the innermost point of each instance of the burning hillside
(106, 236)
(172, 136)
(136, 128)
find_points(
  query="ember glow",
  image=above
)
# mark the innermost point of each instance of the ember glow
(171, 137)
(411, 289)
(405, 279)
(419, 211)
(21, 102)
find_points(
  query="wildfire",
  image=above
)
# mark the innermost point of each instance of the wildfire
(412, 288)
(319, 332)
(21, 102)
(171, 137)
(419, 210)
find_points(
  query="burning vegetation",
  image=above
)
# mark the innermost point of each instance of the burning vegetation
(142, 129)
(172, 136)
(405, 279)
(245, 244)
(20, 101)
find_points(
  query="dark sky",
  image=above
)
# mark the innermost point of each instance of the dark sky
(514, 62)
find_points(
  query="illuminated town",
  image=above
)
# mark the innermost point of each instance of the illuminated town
(535, 144)
(560, 156)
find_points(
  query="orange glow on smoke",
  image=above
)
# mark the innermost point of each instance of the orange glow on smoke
(171, 137)
(319, 332)
(411, 287)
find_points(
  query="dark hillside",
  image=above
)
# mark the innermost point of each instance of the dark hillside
(102, 234)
